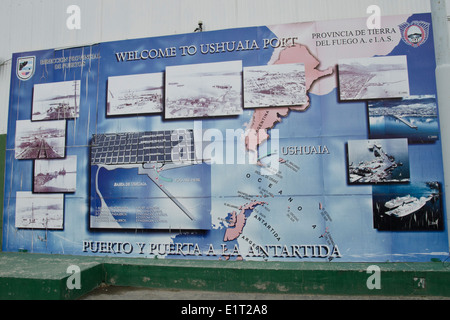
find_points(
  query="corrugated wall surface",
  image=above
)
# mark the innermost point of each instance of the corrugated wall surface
(5, 76)
(28, 25)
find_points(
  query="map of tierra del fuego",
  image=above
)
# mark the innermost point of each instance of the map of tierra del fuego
(258, 207)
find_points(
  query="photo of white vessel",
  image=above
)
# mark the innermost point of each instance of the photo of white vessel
(403, 206)
(411, 207)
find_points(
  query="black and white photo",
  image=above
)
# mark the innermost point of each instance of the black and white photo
(204, 90)
(373, 78)
(40, 139)
(135, 94)
(39, 211)
(58, 175)
(275, 85)
(57, 100)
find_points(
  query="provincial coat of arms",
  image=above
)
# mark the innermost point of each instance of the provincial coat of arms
(415, 33)
(25, 67)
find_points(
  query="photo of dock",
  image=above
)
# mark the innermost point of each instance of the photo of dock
(56, 101)
(413, 117)
(378, 161)
(40, 139)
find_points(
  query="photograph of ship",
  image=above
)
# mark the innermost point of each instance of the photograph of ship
(413, 117)
(274, 85)
(40, 140)
(59, 175)
(373, 78)
(38, 211)
(378, 161)
(56, 101)
(135, 94)
(204, 90)
(415, 206)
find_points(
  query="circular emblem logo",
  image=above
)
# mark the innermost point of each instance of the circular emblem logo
(415, 33)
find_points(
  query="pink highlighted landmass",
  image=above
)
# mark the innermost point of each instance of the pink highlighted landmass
(266, 118)
(237, 221)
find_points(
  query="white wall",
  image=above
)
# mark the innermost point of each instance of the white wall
(28, 25)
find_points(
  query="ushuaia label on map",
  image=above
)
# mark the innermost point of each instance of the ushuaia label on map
(304, 150)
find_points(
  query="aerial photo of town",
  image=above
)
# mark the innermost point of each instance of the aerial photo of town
(274, 85)
(204, 90)
(373, 78)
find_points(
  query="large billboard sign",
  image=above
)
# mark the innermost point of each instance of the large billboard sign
(314, 141)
